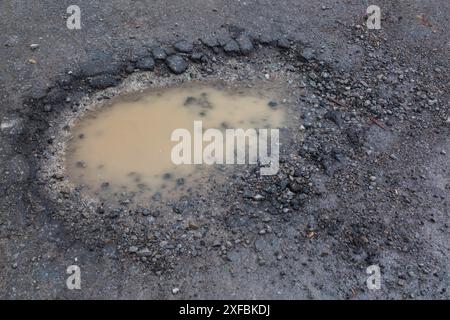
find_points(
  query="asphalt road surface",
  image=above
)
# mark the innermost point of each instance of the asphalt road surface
(387, 203)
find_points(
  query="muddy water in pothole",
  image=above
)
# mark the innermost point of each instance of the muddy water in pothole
(125, 147)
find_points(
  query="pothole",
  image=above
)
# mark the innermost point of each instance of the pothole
(126, 146)
(237, 93)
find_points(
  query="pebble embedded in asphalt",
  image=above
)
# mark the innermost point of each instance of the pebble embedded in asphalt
(146, 63)
(308, 54)
(184, 46)
(334, 116)
(176, 64)
(245, 43)
(231, 47)
(283, 43)
(159, 53)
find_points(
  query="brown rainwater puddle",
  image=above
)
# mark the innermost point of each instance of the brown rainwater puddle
(126, 145)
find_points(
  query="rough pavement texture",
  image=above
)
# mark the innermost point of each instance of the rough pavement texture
(372, 184)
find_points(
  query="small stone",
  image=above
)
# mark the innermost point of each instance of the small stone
(34, 46)
(267, 38)
(373, 178)
(167, 176)
(334, 116)
(175, 290)
(146, 63)
(176, 64)
(38, 92)
(105, 185)
(283, 43)
(272, 104)
(133, 249)
(393, 157)
(159, 53)
(210, 41)
(125, 202)
(245, 43)
(290, 67)
(144, 252)
(308, 54)
(184, 46)
(81, 164)
(295, 187)
(11, 41)
(232, 256)
(192, 225)
(198, 56)
(223, 36)
(231, 47)
(258, 197)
